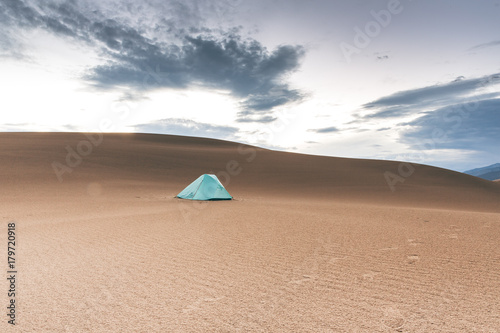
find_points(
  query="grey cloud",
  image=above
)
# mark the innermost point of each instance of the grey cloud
(266, 99)
(228, 62)
(58, 18)
(9, 47)
(177, 126)
(129, 96)
(171, 57)
(331, 129)
(70, 128)
(16, 127)
(390, 112)
(408, 101)
(485, 45)
(17, 124)
(256, 119)
(474, 126)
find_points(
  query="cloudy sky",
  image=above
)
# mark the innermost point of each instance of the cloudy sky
(413, 80)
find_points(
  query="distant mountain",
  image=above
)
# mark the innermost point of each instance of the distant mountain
(491, 172)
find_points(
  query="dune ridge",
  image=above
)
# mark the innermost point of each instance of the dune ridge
(175, 161)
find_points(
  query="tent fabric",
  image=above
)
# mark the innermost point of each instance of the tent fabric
(205, 187)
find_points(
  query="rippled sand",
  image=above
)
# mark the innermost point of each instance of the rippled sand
(310, 244)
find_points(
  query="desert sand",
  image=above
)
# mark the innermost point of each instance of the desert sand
(309, 243)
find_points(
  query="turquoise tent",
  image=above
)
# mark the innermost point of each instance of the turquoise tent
(206, 187)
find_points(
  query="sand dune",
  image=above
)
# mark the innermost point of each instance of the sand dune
(310, 243)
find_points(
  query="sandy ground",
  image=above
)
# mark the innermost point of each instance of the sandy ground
(310, 244)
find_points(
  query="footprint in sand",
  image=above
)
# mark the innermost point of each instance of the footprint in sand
(393, 318)
(370, 275)
(199, 303)
(454, 231)
(305, 279)
(69, 329)
(334, 260)
(413, 242)
(392, 248)
(413, 258)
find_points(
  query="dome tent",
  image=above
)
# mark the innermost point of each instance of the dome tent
(205, 187)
